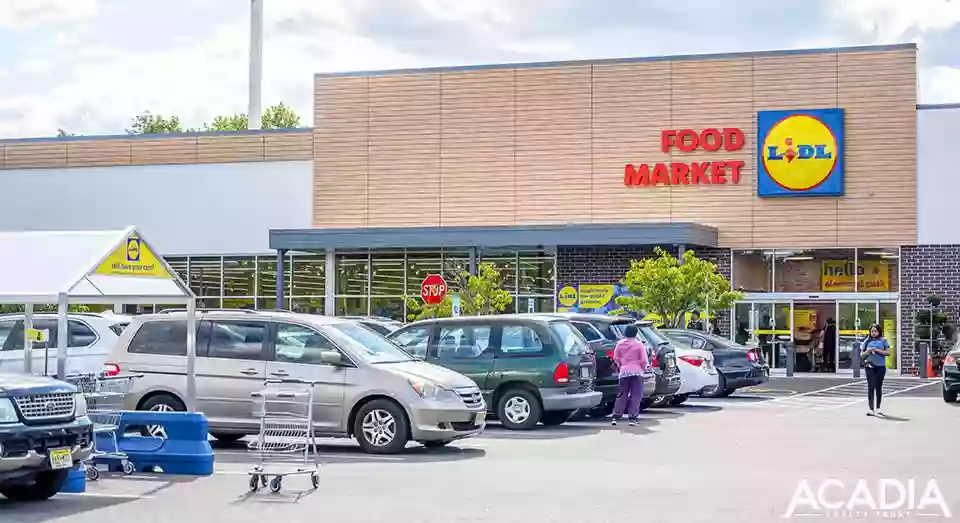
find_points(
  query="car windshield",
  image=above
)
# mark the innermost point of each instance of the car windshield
(654, 336)
(686, 344)
(569, 336)
(619, 328)
(367, 344)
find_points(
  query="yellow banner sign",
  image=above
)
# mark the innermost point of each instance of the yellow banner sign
(133, 258)
(38, 335)
(594, 296)
(872, 276)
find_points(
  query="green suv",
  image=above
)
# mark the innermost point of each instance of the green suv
(530, 368)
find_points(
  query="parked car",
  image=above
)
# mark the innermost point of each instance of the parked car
(378, 324)
(44, 430)
(664, 361)
(363, 379)
(531, 368)
(602, 331)
(950, 375)
(92, 336)
(738, 366)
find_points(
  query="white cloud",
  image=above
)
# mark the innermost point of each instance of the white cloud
(940, 85)
(892, 19)
(22, 15)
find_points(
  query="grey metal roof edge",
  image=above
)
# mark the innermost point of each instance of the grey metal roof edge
(923, 107)
(627, 60)
(254, 132)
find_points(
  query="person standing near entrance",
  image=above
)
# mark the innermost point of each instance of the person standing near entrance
(695, 323)
(874, 351)
(630, 356)
(828, 346)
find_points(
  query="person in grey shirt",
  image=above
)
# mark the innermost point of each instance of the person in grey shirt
(874, 351)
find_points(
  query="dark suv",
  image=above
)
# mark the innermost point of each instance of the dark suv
(530, 367)
(606, 330)
(44, 430)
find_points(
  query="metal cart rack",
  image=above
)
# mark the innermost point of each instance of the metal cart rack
(286, 444)
(104, 395)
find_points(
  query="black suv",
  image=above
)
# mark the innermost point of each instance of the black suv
(44, 431)
(607, 330)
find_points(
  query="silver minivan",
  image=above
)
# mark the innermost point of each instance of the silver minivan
(364, 380)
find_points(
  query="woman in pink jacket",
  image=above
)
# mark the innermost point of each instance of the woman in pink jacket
(631, 358)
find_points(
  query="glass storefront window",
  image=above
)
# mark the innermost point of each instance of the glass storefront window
(239, 275)
(308, 275)
(888, 320)
(307, 305)
(239, 303)
(179, 265)
(455, 263)
(879, 270)
(506, 263)
(352, 306)
(205, 276)
(352, 273)
(209, 303)
(752, 270)
(267, 276)
(392, 308)
(540, 303)
(421, 264)
(536, 273)
(386, 273)
(814, 270)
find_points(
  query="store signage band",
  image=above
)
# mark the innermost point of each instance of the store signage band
(695, 172)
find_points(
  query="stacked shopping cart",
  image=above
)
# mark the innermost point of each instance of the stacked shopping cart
(104, 395)
(285, 445)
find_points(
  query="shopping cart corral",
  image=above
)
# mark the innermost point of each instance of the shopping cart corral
(104, 395)
(286, 444)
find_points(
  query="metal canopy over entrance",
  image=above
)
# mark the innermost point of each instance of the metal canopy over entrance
(89, 267)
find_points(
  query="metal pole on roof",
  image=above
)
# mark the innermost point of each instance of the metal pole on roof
(191, 355)
(27, 340)
(63, 334)
(256, 63)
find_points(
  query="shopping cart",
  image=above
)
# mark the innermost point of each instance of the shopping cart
(104, 395)
(286, 444)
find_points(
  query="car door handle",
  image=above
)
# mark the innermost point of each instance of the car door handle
(280, 374)
(249, 372)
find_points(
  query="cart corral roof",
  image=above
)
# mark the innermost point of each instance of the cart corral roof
(88, 266)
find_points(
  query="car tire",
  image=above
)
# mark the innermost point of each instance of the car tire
(436, 444)
(227, 438)
(43, 487)
(387, 429)
(715, 392)
(645, 404)
(556, 417)
(519, 409)
(679, 398)
(160, 403)
(661, 401)
(949, 396)
(726, 393)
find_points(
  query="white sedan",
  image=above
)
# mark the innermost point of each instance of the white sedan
(697, 372)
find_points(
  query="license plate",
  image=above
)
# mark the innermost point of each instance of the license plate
(481, 416)
(61, 459)
(584, 372)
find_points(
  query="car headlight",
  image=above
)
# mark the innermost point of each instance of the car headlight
(7, 413)
(80, 406)
(432, 391)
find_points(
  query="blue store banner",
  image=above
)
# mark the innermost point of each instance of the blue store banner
(600, 298)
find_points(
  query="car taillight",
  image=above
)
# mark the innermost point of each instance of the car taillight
(653, 360)
(610, 354)
(949, 360)
(111, 369)
(696, 361)
(752, 356)
(562, 374)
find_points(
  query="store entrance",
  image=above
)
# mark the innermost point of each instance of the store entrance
(768, 325)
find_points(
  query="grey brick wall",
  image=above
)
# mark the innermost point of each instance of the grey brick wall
(608, 264)
(926, 270)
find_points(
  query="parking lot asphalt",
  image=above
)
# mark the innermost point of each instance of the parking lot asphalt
(729, 460)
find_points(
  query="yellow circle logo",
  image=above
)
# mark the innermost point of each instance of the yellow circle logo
(800, 152)
(567, 296)
(133, 249)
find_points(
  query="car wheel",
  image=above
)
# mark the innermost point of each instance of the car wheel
(660, 401)
(519, 409)
(679, 398)
(949, 396)
(556, 417)
(43, 486)
(645, 404)
(227, 438)
(726, 392)
(436, 444)
(161, 403)
(381, 427)
(715, 392)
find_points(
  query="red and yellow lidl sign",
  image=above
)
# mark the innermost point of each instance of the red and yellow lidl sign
(800, 153)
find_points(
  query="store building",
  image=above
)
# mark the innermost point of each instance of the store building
(790, 170)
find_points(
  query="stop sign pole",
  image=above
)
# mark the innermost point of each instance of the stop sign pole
(433, 289)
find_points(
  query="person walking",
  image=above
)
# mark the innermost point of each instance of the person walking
(873, 352)
(630, 356)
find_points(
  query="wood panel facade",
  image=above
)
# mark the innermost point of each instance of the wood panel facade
(547, 143)
(109, 151)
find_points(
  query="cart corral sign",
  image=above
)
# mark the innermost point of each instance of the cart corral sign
(133, 258)
(681, 141)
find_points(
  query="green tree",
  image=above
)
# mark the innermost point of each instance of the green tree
(480, 295)
(13, 309)
(61, 133)
(279, 116)
(149, 123)
(665, 286)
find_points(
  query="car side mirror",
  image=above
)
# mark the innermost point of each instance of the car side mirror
(331, 357)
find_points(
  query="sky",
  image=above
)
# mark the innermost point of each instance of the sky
(89, 66)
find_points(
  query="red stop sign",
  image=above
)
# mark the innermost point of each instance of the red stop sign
(433, 289)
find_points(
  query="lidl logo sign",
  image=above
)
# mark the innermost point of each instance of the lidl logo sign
(800, 153)
(133, 249)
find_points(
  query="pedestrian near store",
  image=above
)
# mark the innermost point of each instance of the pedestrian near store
(874, 351)
(828, 346)
(695, 322)
(630, 356)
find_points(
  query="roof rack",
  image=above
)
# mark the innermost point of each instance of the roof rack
(244, 311)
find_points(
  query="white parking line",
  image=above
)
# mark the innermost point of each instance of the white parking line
(818, 391)
(103, 495)
(885, 395)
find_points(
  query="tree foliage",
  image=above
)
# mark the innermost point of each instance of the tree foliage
(279, 116)
(480, 295)
(665, 286)
(14, 309)
(149, 123)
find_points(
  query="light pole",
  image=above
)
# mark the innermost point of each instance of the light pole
(256, 63)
